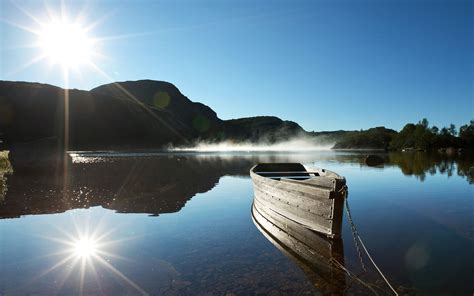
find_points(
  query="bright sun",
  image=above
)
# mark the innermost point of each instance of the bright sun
(66, 44)
(85, 248)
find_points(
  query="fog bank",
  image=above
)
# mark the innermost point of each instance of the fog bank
(294, 145)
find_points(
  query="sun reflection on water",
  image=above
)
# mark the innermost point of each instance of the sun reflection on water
(85, 247)
(85, 252)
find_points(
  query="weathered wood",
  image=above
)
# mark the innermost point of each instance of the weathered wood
(338, 211)
(312, 252)
(288, 172)
(321, 196)
(288, 177)
(290, 241)
(316, 202)
(322, 182)
(294, 229)
(310, 220)
(295, 188)
(319, 207)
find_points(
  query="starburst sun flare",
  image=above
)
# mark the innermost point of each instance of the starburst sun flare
(66, 44)
(85, 247)
(60, 39)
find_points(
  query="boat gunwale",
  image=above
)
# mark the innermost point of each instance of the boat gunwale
(325, 174)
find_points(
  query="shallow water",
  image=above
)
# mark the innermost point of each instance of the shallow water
(163, 223)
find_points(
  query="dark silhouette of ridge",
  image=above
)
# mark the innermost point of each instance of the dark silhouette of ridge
(148, 114)
(124, 115)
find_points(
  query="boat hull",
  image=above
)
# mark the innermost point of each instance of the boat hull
(314, 253)
(315, 202)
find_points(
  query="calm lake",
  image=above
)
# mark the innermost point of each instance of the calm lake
(181, 224)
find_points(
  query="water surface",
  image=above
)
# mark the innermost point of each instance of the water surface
(164, 223)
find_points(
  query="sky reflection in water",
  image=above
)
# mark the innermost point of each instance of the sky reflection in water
(204, 240)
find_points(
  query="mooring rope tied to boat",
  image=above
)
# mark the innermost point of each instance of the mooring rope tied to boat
(356, 234)
(343, 190)
(353, 276)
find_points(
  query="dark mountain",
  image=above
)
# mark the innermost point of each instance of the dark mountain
(268, 129)
(124, 115)
(141, 114)
(167, 105)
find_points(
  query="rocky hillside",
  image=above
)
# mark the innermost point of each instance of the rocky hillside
(141, 114)
(267, 129)
(124, 115)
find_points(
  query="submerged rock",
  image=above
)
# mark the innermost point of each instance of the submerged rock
(374, 160)
(451, 151)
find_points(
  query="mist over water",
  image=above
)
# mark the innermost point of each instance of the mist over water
(293, 145)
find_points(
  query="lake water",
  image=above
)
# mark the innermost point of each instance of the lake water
(181, 224)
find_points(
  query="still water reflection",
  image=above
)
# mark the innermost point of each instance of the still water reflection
(414, 213)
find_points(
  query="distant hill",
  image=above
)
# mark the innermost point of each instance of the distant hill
(124, 115)
(183, 119)
(373, 138)
(267, 129)
(96, 119)
(329, 137)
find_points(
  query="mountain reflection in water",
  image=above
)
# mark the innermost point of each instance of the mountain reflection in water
(155, 183)
(419, 230)
(151, 185)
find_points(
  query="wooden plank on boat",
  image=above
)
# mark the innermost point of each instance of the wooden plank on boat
(322, 207)
(312, 220)
(294, 229)
(297, 246)
(287, 172)
(323, 182)
(300, 205)
(338, 209)
(319, 196)
(315, 260)
(285, 188)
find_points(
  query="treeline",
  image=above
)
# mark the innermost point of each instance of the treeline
(373, 138)
(418, 136)
(423, 137)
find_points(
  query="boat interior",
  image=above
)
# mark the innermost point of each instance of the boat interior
(278, 171)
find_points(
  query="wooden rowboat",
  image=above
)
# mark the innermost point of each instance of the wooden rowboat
(311, 198)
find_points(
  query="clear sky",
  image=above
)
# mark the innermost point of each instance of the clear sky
(325, 64)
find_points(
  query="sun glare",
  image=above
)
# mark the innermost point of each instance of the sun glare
(66, 44)
(85, 248)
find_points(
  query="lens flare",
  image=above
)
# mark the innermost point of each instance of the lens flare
(66, 44)
(85, 248)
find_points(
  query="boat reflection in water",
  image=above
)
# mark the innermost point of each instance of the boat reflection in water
(300, 212)
(318, 256)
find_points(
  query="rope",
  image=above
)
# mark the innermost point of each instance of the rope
(356, 234)
(353, 276)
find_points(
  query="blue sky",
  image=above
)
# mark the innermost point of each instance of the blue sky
(325, 64)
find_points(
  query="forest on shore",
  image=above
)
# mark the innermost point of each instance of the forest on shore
(420, 136)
